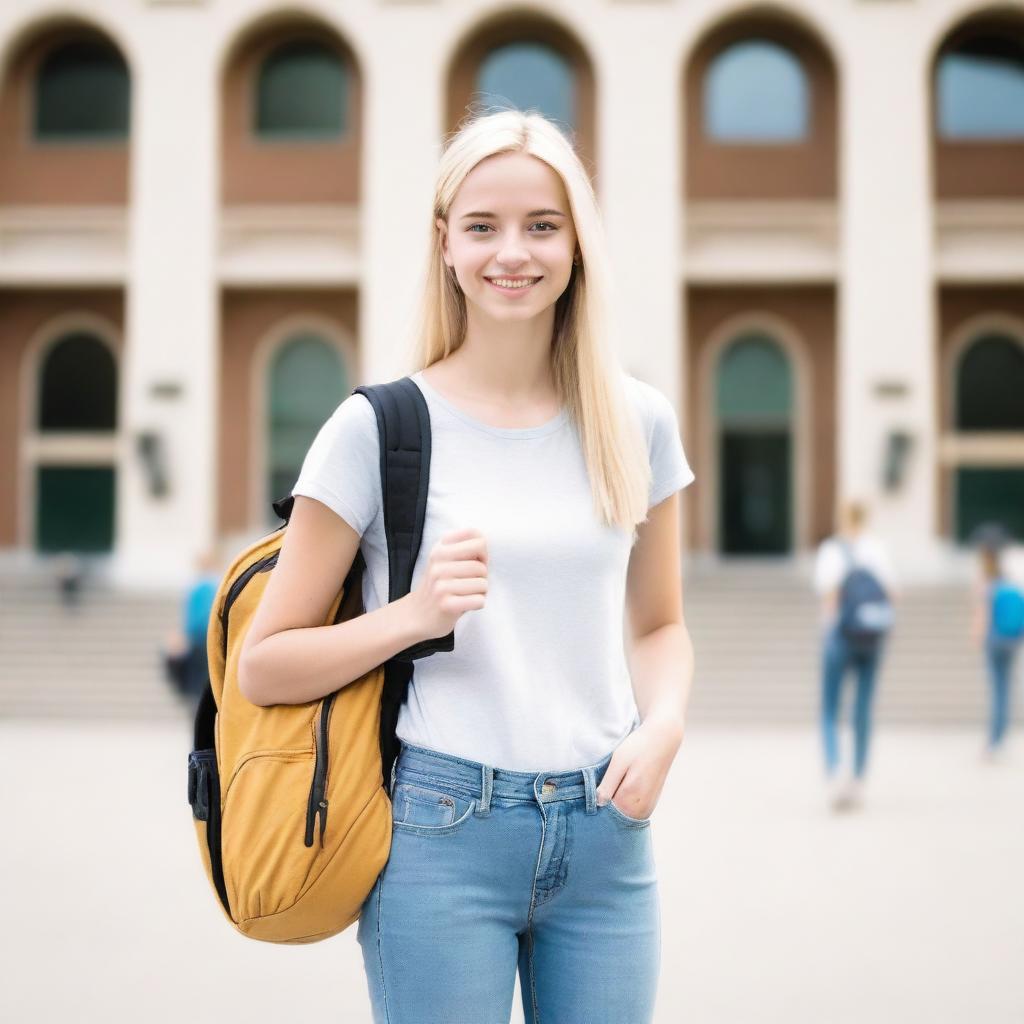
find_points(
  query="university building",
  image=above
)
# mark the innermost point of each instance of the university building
(214, 219)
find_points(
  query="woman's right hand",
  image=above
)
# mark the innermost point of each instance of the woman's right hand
(455, 581)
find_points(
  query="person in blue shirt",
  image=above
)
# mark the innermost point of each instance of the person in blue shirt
(189, 643)
(1000, 652)
(199, 601)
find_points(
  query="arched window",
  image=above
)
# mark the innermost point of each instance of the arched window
(755, 386)
(307, 381)
(990, 385)
(82, 92)
(980, 88)
(302, 92)
(526, 75)
(756, 91)
(78, 386)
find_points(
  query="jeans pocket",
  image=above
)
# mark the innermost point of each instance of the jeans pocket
(429, 807)
(624, 818)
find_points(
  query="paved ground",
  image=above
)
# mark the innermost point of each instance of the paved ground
(774, 910)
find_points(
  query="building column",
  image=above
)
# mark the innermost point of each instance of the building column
(170, 369)
(638, 178)
(639, 126)
(401, 148)
(886, 328)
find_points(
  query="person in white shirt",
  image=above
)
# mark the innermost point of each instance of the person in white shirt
(532, 753)
(852, 546)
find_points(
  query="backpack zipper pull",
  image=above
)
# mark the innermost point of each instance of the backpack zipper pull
(323, 819)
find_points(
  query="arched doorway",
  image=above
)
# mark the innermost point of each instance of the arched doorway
(306, 381)
(754, 413)
(989, 386)
(76, 424)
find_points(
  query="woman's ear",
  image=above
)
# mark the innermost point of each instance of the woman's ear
(442, 228)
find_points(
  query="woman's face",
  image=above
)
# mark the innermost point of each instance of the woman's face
(510, 219)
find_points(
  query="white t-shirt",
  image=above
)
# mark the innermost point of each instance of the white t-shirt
(832, 565)
(538, 679)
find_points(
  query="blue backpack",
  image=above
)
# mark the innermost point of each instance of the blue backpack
(1007, 613)
(865, 611)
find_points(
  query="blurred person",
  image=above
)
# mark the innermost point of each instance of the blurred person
(854, 578)
(997, 627)
(69, 572)
(185, 650)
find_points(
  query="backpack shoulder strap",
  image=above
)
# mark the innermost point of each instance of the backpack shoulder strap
(403, 423)
(847, 550)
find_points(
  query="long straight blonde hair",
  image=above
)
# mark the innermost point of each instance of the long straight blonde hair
(588, 376)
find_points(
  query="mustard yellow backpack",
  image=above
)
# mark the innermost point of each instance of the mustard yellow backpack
(289, 802)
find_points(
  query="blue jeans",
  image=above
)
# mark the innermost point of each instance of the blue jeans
(491, 871)
(1000, 659)
(837, 659)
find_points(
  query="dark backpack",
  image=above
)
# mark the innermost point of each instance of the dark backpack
(865, 611)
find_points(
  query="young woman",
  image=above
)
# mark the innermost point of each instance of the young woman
(531, 757)
(999, 653)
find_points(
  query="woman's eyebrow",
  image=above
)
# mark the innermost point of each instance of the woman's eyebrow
(532, 213)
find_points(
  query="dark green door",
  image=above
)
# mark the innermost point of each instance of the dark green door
(75, 502)
(75, 508)
(755, 494)
(990, 399)
(755, 447)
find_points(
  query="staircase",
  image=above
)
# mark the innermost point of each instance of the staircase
(754, 628)
(756, 640)
(99, 659)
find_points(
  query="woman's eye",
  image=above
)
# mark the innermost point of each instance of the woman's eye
(544, 222)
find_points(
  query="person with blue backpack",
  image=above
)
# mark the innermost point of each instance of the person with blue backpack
(999, 627)
(855, 581)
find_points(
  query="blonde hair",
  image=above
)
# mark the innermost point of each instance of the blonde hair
(588, 376)
(854, 514)
(991, 564)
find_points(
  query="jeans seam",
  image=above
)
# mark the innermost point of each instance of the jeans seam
(380, 954)
(529, 918)
(533, 975)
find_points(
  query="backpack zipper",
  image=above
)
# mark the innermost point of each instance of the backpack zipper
(317, 803)
(236, 588)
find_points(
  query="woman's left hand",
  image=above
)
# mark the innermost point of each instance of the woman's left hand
(639, 767)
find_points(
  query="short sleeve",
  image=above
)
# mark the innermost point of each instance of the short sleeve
(828, 567)
(670, 470)
(342, 467)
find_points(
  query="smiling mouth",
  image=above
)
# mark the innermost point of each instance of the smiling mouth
(524, 286)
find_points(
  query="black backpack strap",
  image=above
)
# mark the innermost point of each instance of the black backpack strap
(403, 423)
